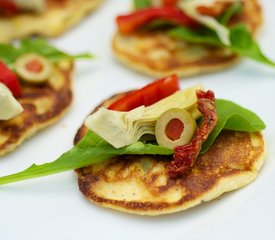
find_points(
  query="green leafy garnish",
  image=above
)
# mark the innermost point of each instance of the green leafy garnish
(90, 150)
(204, 36)
(93, 149)
(232, 116)
(157, 25)
(139, 4)
(242, 42)
(235, 9)
(9, 53)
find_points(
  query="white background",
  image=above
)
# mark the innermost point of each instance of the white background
(53, 208)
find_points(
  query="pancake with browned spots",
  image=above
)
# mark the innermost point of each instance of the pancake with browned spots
(59, 16)
(141, 185)
(43, 105)
(156, 54)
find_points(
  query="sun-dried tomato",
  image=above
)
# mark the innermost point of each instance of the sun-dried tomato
(217, 9)
(185, 156)
(8, 8)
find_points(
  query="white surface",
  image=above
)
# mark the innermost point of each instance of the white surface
(53, 208)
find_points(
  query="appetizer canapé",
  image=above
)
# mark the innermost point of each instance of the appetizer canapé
(35, 89)
(21, 18)
(160, 150)
(188, 37)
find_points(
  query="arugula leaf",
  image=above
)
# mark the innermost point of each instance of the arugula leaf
(93, 149)
(9, 54)
(233, 117)
(138, 4)
(90, 150)
(158, 24)
(242, 42)
(235, 9)
(204, 36)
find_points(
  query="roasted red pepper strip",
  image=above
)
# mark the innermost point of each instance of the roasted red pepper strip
(147, 95)
(185, 156)
(8, 8)
(130, 23)
(8, 77)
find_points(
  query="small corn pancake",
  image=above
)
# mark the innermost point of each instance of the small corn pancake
(43, 105)
(141, 185)
(156, 54)
(59, 16)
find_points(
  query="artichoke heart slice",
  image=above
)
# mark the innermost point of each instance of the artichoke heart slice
(124, 128)
(182, 99)
(190, 8)
(9, 106)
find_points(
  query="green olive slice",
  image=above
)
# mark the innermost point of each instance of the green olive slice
(175, 127)
(33, 68)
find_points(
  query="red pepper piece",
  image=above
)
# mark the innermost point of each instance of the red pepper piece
(130, 23)
(186, 155)
(147, 95)
(8, 8)
(8, 77)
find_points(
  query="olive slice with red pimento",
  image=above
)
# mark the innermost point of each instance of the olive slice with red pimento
(175, 127)
(33, 68)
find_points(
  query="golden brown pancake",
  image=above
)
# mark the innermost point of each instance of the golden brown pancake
(43, 105)
(141, 185)
(60, 16)
(157, 54)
